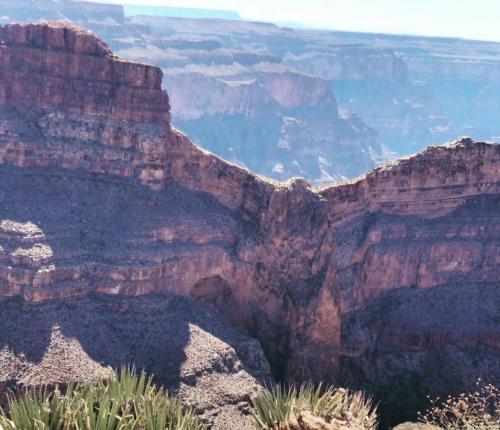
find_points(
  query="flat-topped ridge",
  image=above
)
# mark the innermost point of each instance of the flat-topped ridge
(54, 36)
(459, 145)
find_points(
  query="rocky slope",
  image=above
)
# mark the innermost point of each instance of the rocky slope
(212, 367)
(383, 278)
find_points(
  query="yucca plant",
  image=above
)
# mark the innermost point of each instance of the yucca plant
(275, 407)
(279, 408)
(124, 402)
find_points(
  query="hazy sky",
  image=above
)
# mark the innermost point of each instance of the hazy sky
(477, 19)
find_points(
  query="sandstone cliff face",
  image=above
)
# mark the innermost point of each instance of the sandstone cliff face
(407, 92)
(226, 98)
(99, 194)
(40, 62)
(261, 116)
(261, 119)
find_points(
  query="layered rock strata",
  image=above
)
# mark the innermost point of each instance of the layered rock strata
(99, 194)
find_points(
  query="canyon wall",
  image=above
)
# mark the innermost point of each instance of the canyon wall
(415, 91)
(243, 103)
(385, 277)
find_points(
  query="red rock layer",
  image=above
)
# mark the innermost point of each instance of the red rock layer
(59, 67)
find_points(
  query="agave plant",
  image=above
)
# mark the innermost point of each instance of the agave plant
(124, 402)
(279, 408)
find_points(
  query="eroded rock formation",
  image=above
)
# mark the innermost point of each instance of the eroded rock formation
(384, 277)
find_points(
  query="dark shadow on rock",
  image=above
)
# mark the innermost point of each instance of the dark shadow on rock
(113, 331)
(100, 221)
(416, 342)
(151, 332)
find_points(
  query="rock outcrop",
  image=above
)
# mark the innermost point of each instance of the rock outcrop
(392, 274)
(213, 368)
(406, 92)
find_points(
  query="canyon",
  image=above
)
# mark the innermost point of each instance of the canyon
(122, 241)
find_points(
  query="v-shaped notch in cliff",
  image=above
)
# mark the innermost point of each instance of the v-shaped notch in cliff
(99, 194)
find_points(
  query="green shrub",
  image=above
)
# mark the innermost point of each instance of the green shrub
(124, 402)
(479, 410)
(281, 408)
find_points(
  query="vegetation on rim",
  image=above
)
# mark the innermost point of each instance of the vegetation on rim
(294, 408)
(124, 402)
(128, 401)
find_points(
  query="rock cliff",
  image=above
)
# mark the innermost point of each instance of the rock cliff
(211, 366)
(384, 277)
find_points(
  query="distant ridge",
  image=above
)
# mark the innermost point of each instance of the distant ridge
(180, 12)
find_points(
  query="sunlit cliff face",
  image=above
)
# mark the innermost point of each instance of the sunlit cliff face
(24, 248)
